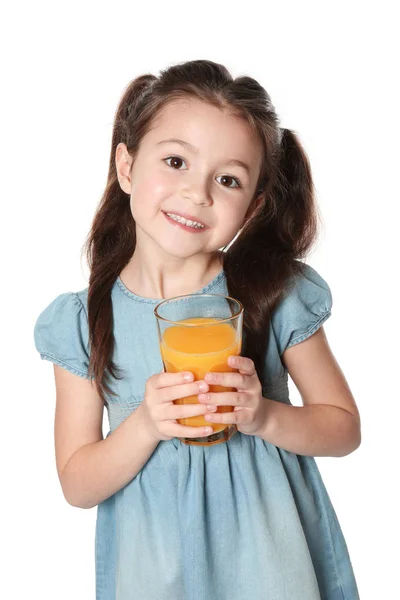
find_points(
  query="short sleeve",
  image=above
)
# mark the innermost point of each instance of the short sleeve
(61, 334)
(303, 310)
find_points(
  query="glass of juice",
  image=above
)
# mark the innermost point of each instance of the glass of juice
(197, 333)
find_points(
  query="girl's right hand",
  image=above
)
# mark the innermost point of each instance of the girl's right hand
(161, 413)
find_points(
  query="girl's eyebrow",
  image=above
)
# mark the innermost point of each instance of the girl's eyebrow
(231, 161)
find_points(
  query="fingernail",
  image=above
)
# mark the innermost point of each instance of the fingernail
(211, 407)
(203, 387)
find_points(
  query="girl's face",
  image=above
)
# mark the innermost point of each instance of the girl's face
(198, 178)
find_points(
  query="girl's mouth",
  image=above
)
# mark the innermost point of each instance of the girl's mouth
(184, 227)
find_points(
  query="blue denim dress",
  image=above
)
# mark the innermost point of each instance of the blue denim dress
(242, 519)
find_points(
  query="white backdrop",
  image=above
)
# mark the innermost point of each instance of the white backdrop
(330, 71)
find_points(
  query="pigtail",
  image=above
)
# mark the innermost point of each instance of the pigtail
(261, 263)
(110, 244)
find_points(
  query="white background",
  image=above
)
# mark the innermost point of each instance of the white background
(331, 72)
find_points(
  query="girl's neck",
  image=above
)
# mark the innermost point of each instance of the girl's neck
(148, 283)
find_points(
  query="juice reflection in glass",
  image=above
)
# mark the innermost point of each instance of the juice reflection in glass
(197, 333)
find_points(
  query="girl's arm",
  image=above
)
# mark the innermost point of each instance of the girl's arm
(329, 422)
(90, 468)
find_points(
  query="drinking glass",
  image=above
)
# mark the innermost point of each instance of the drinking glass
(197, 333)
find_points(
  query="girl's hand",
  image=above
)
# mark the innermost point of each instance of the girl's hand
(250, 408)
(161, 413)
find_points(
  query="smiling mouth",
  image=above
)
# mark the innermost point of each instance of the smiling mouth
(185, 224)
(189, 222)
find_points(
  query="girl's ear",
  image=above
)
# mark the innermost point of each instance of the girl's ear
(123, 165)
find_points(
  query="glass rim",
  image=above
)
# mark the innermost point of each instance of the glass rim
(240, 312)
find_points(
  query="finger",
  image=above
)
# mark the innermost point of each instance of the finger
(236, 380)
(180, 431)
(243, 364)
(163, 379)
(176, 392)
(227, 418)
(182, 411)
(224, 399)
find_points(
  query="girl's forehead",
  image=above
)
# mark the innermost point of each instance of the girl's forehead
(201, 124)
(187, 110)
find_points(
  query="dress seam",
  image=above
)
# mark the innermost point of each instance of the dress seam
(310, 331)
(58, 361)
(82, 305)
(137, 298)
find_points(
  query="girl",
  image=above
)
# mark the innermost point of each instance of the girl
(251, 517)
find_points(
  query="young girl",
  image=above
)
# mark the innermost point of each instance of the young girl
(205, 193)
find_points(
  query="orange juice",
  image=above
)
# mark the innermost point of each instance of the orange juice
(200, 350)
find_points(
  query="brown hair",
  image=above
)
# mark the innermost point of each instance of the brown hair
(261, 260)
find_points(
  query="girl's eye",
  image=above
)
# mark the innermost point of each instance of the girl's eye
(177, 158)
(238, 184)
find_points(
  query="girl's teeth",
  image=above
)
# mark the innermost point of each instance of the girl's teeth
(184, 221)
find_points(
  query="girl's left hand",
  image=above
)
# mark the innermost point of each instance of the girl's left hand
(250, 408)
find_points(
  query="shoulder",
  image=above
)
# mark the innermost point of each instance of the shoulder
(64, 306)
(82, 296)
(306, 287)
(61, 331)
(304, 307)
